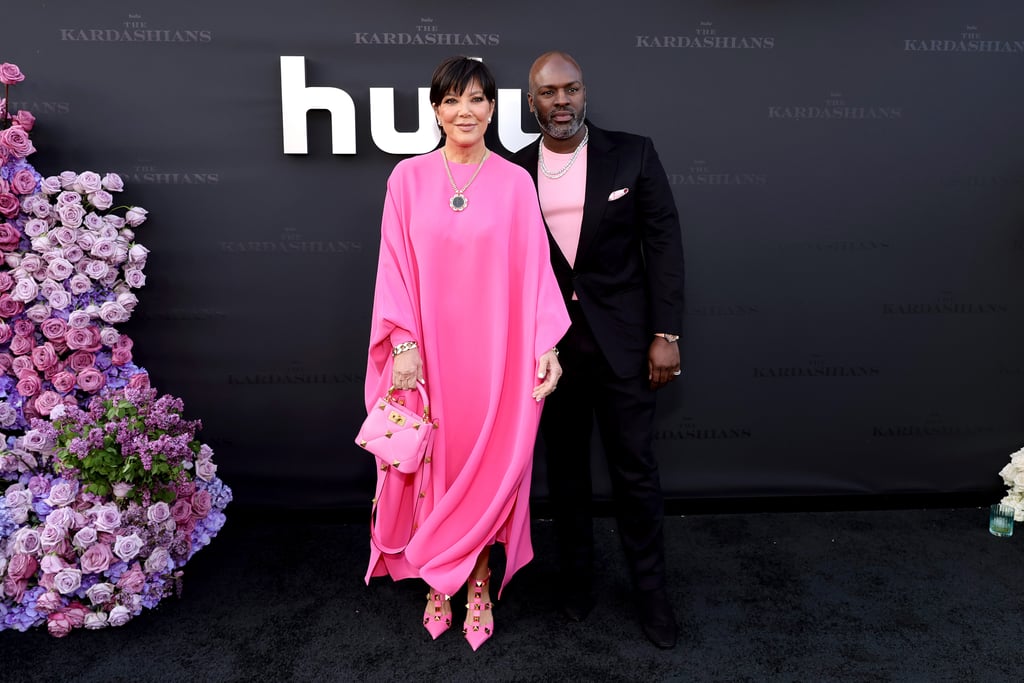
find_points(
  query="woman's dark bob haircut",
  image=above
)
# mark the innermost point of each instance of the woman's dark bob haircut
(456, 73)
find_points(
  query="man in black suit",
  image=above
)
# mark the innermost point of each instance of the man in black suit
(617, 253)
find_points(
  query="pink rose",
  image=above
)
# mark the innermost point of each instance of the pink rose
(9, 307)
(119, 616)
(139, 380)
(17, 141)
(60, 269)
(9, 238)
(132, 580)
(101, 199)
(50, 537)
(44, 356)
(63, 381)
(89, 181)
(10, 74)
(181, 510)
(62, 518)
(76, 613)
(29, 385)
(91, 380)
(5, 332)
(202, 502)
(83, 339)
(6, 282)
(25, 119)
(62, 493)
(97, 270)
(112, 312)
(124, 342)
(80, 283)
(53, 328)
(80, 360)
(49, 602)
(79, 319)
(51, 564)
(69, 197)
(22, 567)
(58, 624)
(50, 185)
(23, 182)
(38, 313)
(25, 290)
(47, 401)
(122, 489)
(9, 204)
(24, 327)
(120, 357)
(96, 558)
(15, 589)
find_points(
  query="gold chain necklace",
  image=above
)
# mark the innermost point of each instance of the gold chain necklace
(458, 202)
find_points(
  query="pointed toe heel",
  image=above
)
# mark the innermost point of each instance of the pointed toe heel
(437, 617)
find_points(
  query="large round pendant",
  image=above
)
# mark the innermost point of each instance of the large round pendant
(458, 202)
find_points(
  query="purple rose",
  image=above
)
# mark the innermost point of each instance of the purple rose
(101, 199)
(127, 547)
(100, 593)
(80, 284)
(25, 290)
(158, 512)
(158, 560)
(181, 511)
(67, 581)
(205, 470)
(71, 215)
(60, 269)
(63, 518)
(50, 185)
(69, 196)
(51, 538)
(135, 216)
(53, 328)
(90, 181)
(113, 312)
(97, 270)
(39, 312)
(18, 497)
(79, 320)
(112, 182)
(108, 518)
(96, 558)
(25, 119)
(122, 489)
(61, 493)
(134, 277)
(51, 564)
(109, 336)
(119, 616)
(95, 621)
(85, 537)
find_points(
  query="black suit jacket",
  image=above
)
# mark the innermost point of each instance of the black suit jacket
(628, 273)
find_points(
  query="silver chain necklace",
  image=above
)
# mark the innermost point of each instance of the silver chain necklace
(555, 175)
(458, 202)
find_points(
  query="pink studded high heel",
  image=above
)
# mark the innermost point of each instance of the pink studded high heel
(437, 619)
(476, 633)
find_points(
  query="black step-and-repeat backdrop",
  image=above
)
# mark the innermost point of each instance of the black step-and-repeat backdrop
(850, 178)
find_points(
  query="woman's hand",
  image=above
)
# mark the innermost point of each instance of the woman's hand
(549, 370)
(407, 370)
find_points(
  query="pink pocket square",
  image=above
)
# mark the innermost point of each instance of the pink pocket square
(618, 194)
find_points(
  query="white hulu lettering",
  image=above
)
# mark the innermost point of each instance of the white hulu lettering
(297, 99)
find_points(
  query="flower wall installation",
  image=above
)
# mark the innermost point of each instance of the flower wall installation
(106, 491)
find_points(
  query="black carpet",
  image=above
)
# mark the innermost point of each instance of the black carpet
(908, 595)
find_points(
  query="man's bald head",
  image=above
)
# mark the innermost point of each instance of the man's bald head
(554, 56)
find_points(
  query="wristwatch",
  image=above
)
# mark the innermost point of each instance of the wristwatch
(670, 338)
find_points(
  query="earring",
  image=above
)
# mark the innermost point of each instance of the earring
(488, 120)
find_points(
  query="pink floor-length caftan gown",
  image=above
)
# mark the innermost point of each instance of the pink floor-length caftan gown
(476, 291)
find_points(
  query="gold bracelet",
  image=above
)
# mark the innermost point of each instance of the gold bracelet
(403, 347)
(555, 349)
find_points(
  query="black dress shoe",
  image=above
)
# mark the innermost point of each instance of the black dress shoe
(657, 618)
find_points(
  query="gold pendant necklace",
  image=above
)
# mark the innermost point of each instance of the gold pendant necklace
(458, 201)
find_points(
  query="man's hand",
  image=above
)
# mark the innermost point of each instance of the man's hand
(662, 362)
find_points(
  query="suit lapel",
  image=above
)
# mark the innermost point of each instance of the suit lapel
(601, 165)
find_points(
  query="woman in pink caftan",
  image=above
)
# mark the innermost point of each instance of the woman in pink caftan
(465, 303)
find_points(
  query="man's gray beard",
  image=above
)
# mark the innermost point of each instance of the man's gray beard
(562, 131)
